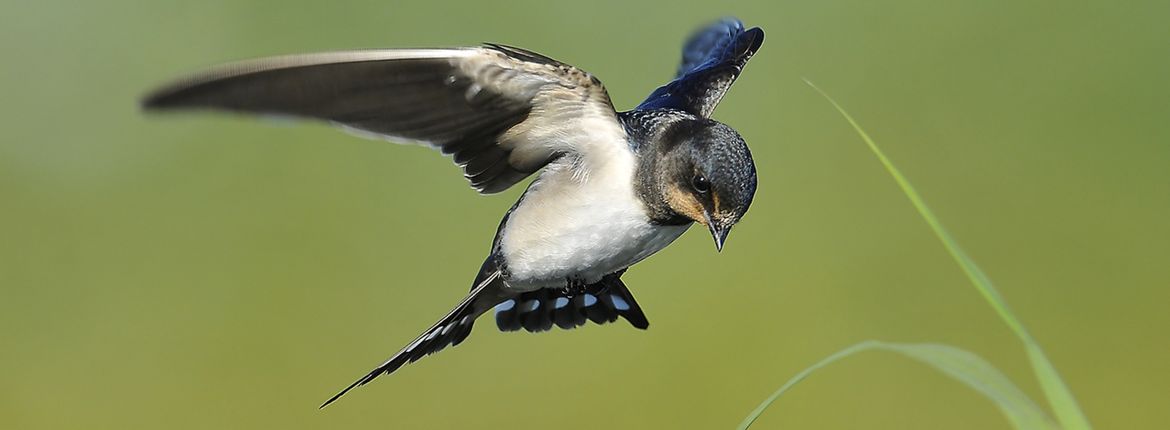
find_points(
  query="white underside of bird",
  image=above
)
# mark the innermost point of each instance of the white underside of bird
(581, 220)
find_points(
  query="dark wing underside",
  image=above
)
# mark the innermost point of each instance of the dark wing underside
(502, 113)
(712, 59)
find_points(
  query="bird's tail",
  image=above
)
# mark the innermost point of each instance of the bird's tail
(602, 302)
(535, 311)
(451, 330)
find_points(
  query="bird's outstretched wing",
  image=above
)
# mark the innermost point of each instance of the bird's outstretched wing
(712, 58)
(502, 113)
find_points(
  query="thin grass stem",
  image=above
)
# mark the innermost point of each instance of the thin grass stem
(1060, 398)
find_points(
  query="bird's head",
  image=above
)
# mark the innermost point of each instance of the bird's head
(708, 176)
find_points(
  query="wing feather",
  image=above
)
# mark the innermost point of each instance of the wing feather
(502, 113)
(712, 59)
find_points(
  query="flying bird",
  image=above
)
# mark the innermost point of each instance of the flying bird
(612, 188)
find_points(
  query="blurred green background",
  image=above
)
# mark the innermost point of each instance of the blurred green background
(208, 271)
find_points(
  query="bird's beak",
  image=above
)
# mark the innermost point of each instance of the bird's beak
(719, 231)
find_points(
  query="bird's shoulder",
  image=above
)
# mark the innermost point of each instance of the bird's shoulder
(652, 128)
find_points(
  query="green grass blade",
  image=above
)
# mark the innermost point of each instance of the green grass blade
(959, 364)
(1063, 404)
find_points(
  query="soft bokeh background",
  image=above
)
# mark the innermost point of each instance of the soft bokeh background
(206, 271)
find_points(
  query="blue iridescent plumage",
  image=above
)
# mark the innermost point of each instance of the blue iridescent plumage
(712, 58)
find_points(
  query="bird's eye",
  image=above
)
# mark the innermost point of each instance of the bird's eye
(700, 184)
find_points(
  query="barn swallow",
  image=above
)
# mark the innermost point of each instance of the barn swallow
(611, 188)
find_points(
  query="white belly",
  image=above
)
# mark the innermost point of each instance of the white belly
(570, 226)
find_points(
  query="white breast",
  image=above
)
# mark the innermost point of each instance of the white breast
(583, 226)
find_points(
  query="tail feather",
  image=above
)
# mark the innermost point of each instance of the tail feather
(452, 329)
(534, 311)
(602, 302)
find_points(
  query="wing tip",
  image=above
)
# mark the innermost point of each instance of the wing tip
(163, 97)
(153, 101)
(755, 39)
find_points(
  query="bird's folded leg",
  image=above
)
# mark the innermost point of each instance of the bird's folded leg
(574, 287)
